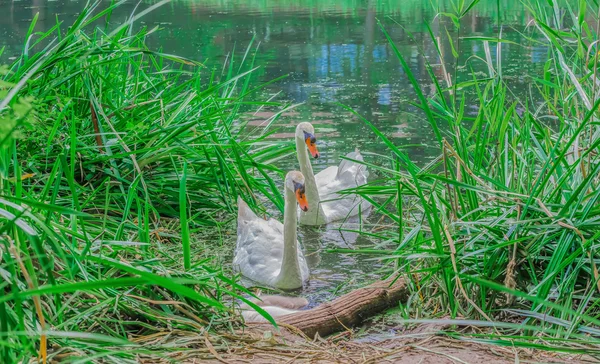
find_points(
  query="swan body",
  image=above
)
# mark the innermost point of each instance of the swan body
(267, 251)
(322, 190)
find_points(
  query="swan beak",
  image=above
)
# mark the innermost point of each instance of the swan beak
(311, 143)
(301, 197)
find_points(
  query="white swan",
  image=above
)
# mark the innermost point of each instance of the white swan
(275, 305)
(326, 184)
(267, 251)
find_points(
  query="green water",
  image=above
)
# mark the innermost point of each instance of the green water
(330, 51)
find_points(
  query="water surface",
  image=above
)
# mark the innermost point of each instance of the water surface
(331, 52)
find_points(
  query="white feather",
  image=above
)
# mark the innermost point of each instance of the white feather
(332, 206)
(259, 251)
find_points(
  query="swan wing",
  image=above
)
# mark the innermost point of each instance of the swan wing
(249, 222)
(245, 213)
(276, 226)
(352, 171)
(326, 176)
(259, 249)
(349, 174)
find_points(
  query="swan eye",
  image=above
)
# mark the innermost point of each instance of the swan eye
(301, 196)
(299, 188)
(311, 143)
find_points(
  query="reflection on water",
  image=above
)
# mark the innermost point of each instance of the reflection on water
(332, 51)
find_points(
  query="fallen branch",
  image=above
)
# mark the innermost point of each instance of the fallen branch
(348, 310)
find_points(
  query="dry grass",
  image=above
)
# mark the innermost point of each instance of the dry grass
(260, 344)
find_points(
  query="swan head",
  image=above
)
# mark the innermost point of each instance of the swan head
(294, 181)
(306, 132)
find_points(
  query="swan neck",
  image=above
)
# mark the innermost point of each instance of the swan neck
(290, 274)
(309, 177)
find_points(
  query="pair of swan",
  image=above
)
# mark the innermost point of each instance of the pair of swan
(267, 251)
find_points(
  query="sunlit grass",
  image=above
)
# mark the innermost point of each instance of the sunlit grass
(104, 144)
(120, 167)
(504, 223)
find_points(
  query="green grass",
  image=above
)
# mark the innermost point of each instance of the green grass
(117, 163)
(120, 167)
(505, 222)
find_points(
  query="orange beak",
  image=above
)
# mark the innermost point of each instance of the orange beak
(301, 198)
(311, 143)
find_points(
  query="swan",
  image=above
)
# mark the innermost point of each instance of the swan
(275, 305)
(267, 251)
(326, 184)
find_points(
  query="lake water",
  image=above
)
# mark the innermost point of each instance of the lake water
(331, 52)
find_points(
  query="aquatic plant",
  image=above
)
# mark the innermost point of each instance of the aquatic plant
(504, 223)
(115, 159)
(120, 164)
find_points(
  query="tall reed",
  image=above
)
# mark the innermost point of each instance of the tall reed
(104, 143)
(504, 223)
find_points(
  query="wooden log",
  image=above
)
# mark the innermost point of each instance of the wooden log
(348, 310)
